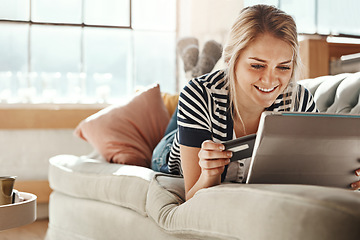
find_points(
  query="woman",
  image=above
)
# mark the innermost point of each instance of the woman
(262, 69)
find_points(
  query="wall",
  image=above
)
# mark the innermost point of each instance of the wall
(31, 134)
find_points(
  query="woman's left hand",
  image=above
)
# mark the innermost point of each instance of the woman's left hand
(356, 185)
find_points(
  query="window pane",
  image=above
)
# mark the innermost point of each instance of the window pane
(13, 58)
(303, 12)
(107, 62)
(154, 15)
(57, 11)
(107, 12)
(339, 17)
(55, 48)
(15, 9)
(55, 52)
(155, 59)
(14, 47)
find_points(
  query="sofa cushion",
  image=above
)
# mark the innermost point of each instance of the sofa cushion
(128, 133)
(233, 211)
(170, 101)
(118, 184)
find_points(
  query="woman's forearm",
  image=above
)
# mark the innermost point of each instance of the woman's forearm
(202, 168)
(204, 181)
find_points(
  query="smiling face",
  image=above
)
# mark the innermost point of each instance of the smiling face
(263, 71)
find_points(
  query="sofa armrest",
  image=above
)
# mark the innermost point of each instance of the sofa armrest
(118, 184)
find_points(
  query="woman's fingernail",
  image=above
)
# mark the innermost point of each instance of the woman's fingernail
(222, 147)
(229, 154)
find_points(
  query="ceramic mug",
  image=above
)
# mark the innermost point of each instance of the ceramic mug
(6, 189)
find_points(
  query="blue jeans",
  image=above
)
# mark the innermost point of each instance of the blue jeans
(162, 150)
(161, 153)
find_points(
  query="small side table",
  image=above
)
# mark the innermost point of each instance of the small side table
(18, 214)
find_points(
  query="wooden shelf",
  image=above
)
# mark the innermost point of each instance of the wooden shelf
(40, 188)
(31, 117)
(317, 53)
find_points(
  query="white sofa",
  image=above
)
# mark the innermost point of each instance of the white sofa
(93, 199)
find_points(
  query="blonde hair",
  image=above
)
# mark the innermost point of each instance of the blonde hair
(252, 22)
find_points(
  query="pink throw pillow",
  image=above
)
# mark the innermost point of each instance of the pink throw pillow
(128, 134)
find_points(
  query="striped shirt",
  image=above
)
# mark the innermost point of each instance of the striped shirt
(203, 113)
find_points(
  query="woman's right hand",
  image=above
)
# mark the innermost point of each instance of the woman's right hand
(202, 167)
(213, 158)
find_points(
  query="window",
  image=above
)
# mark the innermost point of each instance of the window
(85, 51)
(324, 17)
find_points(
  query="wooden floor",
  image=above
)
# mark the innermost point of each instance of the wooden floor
(33, 231)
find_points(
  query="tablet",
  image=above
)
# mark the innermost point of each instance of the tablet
(306, 148)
